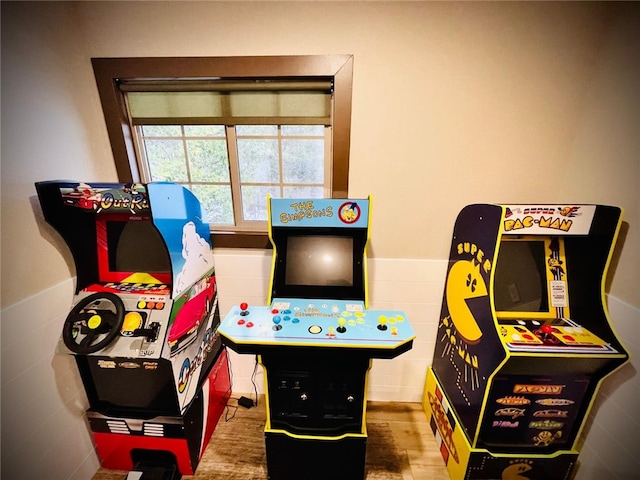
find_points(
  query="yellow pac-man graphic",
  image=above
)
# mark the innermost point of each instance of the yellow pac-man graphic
(515, 471)
(463, 283)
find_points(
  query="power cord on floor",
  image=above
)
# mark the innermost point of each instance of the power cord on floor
(227, 416)
(228, 407)
(253, 381)
(242, 401)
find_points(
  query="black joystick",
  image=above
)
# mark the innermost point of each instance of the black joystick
(341, 325)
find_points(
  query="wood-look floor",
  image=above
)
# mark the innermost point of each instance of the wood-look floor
(400, 446)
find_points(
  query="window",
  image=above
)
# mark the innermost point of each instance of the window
(232, 129)
(223, 163)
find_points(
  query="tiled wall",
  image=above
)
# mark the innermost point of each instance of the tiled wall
(610, 450)
(44, 432)
(412, 286)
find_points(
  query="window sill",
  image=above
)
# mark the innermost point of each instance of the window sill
(240, 240)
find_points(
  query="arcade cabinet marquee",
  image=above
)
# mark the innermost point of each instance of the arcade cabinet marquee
(316, 337)
(524, 339)
(143, 328)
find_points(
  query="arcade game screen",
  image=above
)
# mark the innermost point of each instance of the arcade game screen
(326, 260)
(312, 264)
(131, 247)
(521, 278)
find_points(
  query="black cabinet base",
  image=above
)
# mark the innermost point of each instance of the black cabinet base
(291, 458)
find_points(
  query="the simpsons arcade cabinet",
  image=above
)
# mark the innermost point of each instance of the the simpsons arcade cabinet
(143, 325)
(315, 339)
(524, 340)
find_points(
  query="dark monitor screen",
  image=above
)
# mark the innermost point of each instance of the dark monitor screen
(319, 263)
(135, 246)
(520, 279)
(319, 260)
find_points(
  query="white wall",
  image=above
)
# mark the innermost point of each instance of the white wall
(453, 103)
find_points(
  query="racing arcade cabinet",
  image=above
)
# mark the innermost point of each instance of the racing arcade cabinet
(524, 339)
(316, 338)
(143, 325)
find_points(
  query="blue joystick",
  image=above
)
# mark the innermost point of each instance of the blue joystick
(276, 323)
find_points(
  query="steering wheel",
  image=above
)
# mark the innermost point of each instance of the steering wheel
(87, 330)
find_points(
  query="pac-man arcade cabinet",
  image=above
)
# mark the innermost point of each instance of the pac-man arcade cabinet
(524, 340)
(143, 326)
(316, 338)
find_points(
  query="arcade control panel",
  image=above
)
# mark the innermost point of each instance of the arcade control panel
(560, 335)
(317, 323)
(144, 330)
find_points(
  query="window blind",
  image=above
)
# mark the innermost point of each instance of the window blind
(256, 102)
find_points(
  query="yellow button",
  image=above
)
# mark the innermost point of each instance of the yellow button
(94, 321)
(132, 320)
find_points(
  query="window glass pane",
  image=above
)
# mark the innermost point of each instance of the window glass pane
(303, 192)
(258, 161)
(216, 203)
(204, 130)
(307, 130)
(161, 130)
(303, 161)
(254, 202)
(261, 130)
(208, 160)
(166, 160)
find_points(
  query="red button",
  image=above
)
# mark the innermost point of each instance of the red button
(249, 324)
(241, 322)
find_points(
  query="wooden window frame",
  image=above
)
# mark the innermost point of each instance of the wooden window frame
(109, 71)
